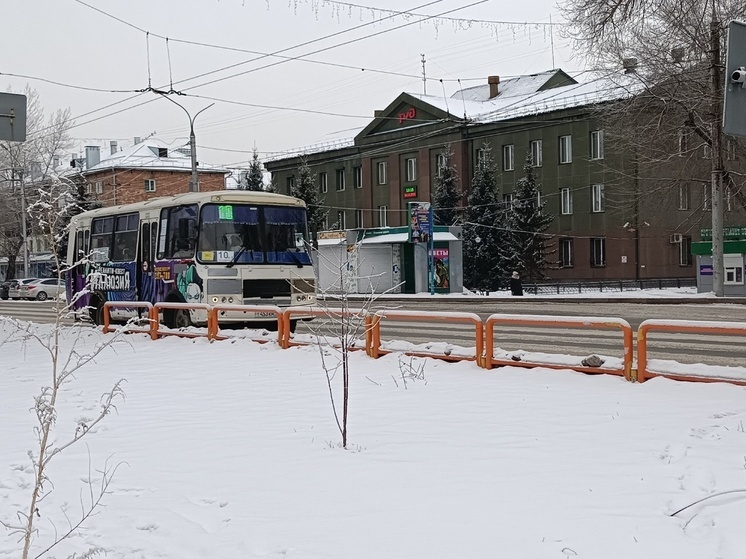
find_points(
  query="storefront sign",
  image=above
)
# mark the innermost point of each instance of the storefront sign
(410, 192)
(705, 269)
(728, 233)
(407, 115)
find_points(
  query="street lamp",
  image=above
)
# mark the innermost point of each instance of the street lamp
(194, 181)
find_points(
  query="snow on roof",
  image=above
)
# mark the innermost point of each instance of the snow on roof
(152, 154)
(511, 87)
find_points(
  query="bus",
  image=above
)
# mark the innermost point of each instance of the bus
(227, 247)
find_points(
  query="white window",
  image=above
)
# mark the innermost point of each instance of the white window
(411, 164)
(733, 264)
(565, 201)
(382, 168)
(598, 252)
(597, 198)
(89, 188)
(341, 220)
(149, 185)
(508, 200)
(359, 219)
(383, 216)
(323, 183)
(509, 157)
(597, 144)
(99, 187)
(565, 149)
(441, 162)
(536, 153)
(358, 177)
(566, 253)
(340, 179)
(683, 196)
(683, 142)
(685, 251)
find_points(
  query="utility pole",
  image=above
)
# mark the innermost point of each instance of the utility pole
(424, 76)
(194, 180)
(717, 157)
(24, 226)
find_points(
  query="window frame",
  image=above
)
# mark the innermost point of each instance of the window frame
(410, 164)
(566, 201)
(323, 182)
(536, 150)
(382, 172)
(441, 162)
(358, 176)
(685, 251)
(509, 157)
(339, 180)
(598, 198)
(359, 219)
(383, 216)
(598, 248)
(150, 185)
(733, 273)
(565, 149)
(684, 197)
(597, 145)
(567, 257)
(341, 220)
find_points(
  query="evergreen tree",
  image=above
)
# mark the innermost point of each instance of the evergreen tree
(78, 201)
(306, 189)
(446, 193)
(483, 232)
(527, 248)
(255, 175)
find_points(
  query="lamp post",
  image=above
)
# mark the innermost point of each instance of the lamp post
(194, 181)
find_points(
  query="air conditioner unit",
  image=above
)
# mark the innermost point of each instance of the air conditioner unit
(675, 238)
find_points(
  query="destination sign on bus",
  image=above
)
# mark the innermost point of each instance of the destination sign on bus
(225, 212)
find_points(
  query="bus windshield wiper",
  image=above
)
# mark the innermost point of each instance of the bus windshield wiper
(232, 263)
(295, 257)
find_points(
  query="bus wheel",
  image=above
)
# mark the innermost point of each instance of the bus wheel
(177, 318)
(96, 311)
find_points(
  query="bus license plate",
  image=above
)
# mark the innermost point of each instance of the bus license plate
(265, 314)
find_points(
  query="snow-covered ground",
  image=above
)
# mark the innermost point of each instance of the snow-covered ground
(230, 450)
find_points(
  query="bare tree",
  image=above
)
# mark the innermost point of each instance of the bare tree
(67, 360)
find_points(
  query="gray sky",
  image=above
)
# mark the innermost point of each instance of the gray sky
(73, 43)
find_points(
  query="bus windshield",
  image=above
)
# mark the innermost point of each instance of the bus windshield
(244, 234)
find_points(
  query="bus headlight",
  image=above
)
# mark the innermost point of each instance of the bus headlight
(214, 299)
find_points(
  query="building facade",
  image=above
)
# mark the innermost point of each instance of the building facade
(601, 229)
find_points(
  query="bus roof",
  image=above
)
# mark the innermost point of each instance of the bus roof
(234, 196)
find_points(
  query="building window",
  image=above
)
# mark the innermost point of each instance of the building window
(325, 223)
(441, 162)
(536, 153)
(341, 221)
(597, 198)
(707, 147)
(99, 187)
(597, 144)
(289, 185)
(683, 142)
(565, 149)
(683, 196)
(411, 164)
(382, 168)
(323, 183)
(598, 253)
(733, 265)
(685, 251)
(340, 179)
(706, 197)
(359, 219)
(565, 201)
(566, 253)
(383, 216)
(728, 199)
(149, 185)
(730, 149)
(508, 200)
(358, 177)
(509, 157)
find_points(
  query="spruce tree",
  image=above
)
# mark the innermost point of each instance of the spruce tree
(255, 175)
(483, 229)
(446, 192)
(527, 247)
(306, 189)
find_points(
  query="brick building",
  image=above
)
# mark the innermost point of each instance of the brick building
(148, 169)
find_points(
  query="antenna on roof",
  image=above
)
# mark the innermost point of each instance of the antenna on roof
(461, 89)
(444, 96)
(551, 38)
(424, 76)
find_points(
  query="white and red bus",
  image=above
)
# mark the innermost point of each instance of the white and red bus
(238, 247)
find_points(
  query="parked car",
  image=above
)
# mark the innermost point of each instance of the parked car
(4, 287)
(42, 289)
(15, 285)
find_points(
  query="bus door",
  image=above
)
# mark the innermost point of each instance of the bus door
(76, 275)
(146, 288)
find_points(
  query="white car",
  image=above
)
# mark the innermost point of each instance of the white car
(42, 289)
(14, 290)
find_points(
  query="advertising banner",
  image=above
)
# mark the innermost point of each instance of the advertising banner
(420, 226)
(442, 268)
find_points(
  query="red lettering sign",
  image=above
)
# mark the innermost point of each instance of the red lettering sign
(411, 113)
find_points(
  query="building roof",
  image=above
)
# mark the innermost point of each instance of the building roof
(152, 154)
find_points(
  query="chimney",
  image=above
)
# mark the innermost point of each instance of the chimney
(92, 156)
(377, 114)
(113, 147)
(494, 82)
(629, 65)
(137, 140)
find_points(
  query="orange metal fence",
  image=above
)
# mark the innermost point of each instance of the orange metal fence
(127, 305)
(560, 322)
(681, 327)
(266, 310)
(158, 307)
(319, 312)
(374, 347)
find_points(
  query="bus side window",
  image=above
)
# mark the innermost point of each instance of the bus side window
(125, 238)
(180, 236)
(154, 238)
(102, 229)
(145, 242)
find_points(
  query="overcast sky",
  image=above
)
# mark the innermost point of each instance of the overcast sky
(103, 45)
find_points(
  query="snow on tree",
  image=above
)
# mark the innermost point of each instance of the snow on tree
(306, 189)
(255, 175)
(446, 192)
(484, 228)
(527, 248)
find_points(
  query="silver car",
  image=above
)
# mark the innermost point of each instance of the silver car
(14, 290)
(43, 289)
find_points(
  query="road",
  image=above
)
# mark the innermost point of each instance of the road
(723, 350)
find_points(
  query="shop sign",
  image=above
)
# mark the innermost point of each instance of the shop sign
(410, 191)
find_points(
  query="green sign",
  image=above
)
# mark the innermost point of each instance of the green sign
(728, 233)
(410, 192)
(225, 212)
